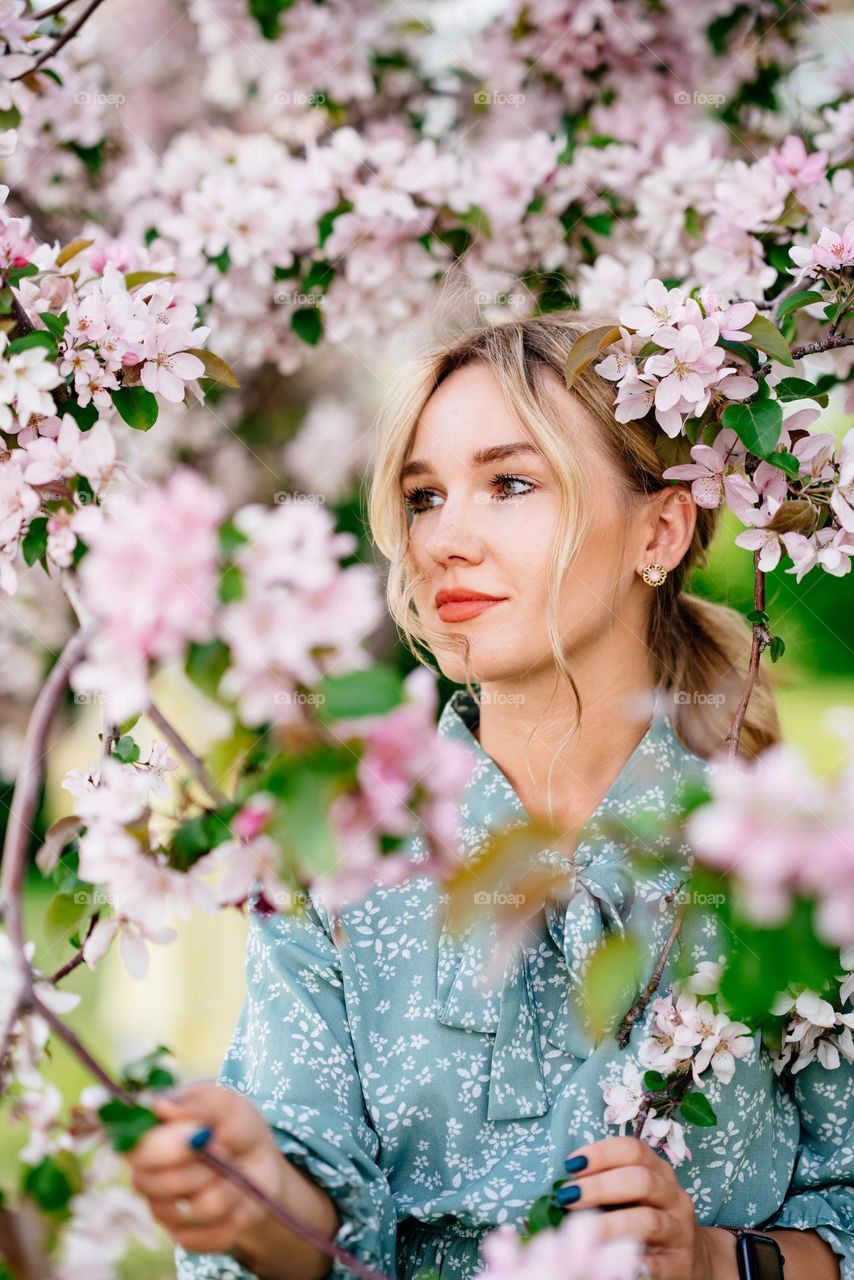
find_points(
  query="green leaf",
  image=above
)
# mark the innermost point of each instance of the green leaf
(84, 415)
(55, 325)
(768, 338)
(38, 338)
(206, 664)
(757, 424)
(125, 1124)
(133, 279)
(267, 13)
(610, 981)
(758, 615)
(696, 1109)
(586, 349)
(64, 914)
(136, 406)
(319, 277)
(231, 586)
(197, 837)
(785, 461)
(796, 301)
(369, 692)
(230, 537)
(654, 1081)
(308, 827)
(542, 1215)
(34, 544)
(777, 648)
(48, 1185)
(126, 750)
(148, 1072)
(307, 324)
(215, 367)
(71, 250)
(788, 389)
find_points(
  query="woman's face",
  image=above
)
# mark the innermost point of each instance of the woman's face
(489, 524)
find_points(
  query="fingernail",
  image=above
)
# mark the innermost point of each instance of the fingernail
(199, 1139)
(567, 1195)
(575, 1164)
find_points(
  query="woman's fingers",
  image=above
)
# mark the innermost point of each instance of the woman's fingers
(172, 1183)
(632, 1183)
(644, 1223)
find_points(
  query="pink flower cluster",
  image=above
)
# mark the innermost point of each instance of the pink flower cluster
(141, 889)
(150, 583)
(678, 381)
(779, 832)
(406, 773)
(572, 1251)
(817, 1030)
(300, 614)
(684, 1032)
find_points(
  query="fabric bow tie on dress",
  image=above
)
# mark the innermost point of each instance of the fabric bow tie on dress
(539, 988)
(536, 993)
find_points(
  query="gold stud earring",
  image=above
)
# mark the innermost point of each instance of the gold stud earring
(654, 575)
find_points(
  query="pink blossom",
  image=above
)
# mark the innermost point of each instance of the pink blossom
(766, 542)
(711, 480)
(619, 359)
(831, 251)
(18, 502)
(796, 165)
(665, 307)
(572, 1251)
(842, 494)
(168, 364)
(730, 318)
(831, 548)
(688, 366)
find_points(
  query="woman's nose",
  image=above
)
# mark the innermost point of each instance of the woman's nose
(454, 533)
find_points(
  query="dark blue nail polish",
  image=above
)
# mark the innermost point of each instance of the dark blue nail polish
(575, 1164)
(567, 1195)
(200, 1138)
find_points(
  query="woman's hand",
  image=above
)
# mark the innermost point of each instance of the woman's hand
(654, 1209)
(166, 1170)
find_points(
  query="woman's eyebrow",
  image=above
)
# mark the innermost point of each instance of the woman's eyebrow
(480, 457)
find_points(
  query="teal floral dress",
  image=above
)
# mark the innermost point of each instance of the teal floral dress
(434, 1096)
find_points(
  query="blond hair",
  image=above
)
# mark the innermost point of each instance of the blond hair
(696, 647)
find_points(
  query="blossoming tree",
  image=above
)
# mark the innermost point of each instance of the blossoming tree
(338, 165)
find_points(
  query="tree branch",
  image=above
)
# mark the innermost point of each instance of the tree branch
(63, 40)
(761, 639)
(197, 766)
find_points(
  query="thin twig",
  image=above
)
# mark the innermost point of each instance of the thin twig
(26, 794)
(651, 987)
(197, 766)
(77, 958)
(63, 40)
(761, 640)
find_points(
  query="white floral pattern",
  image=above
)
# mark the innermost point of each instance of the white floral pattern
(434, 1102)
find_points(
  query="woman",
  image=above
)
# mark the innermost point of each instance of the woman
(419, 1094)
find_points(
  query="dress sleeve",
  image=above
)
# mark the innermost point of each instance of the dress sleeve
(292, 1054)
(821, 1191)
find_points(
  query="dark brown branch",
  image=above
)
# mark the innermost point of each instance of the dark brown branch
(761, 639)
(77, 958)
(63, 40)
(197, 766)
(651, 987)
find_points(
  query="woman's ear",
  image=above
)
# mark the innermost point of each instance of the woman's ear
(674, 517)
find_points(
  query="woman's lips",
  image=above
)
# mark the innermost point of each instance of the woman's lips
(462, 610)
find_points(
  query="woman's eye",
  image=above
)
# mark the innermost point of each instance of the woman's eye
(418, 500)
(502, 481)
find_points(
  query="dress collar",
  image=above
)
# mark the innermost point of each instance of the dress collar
(539, 992)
